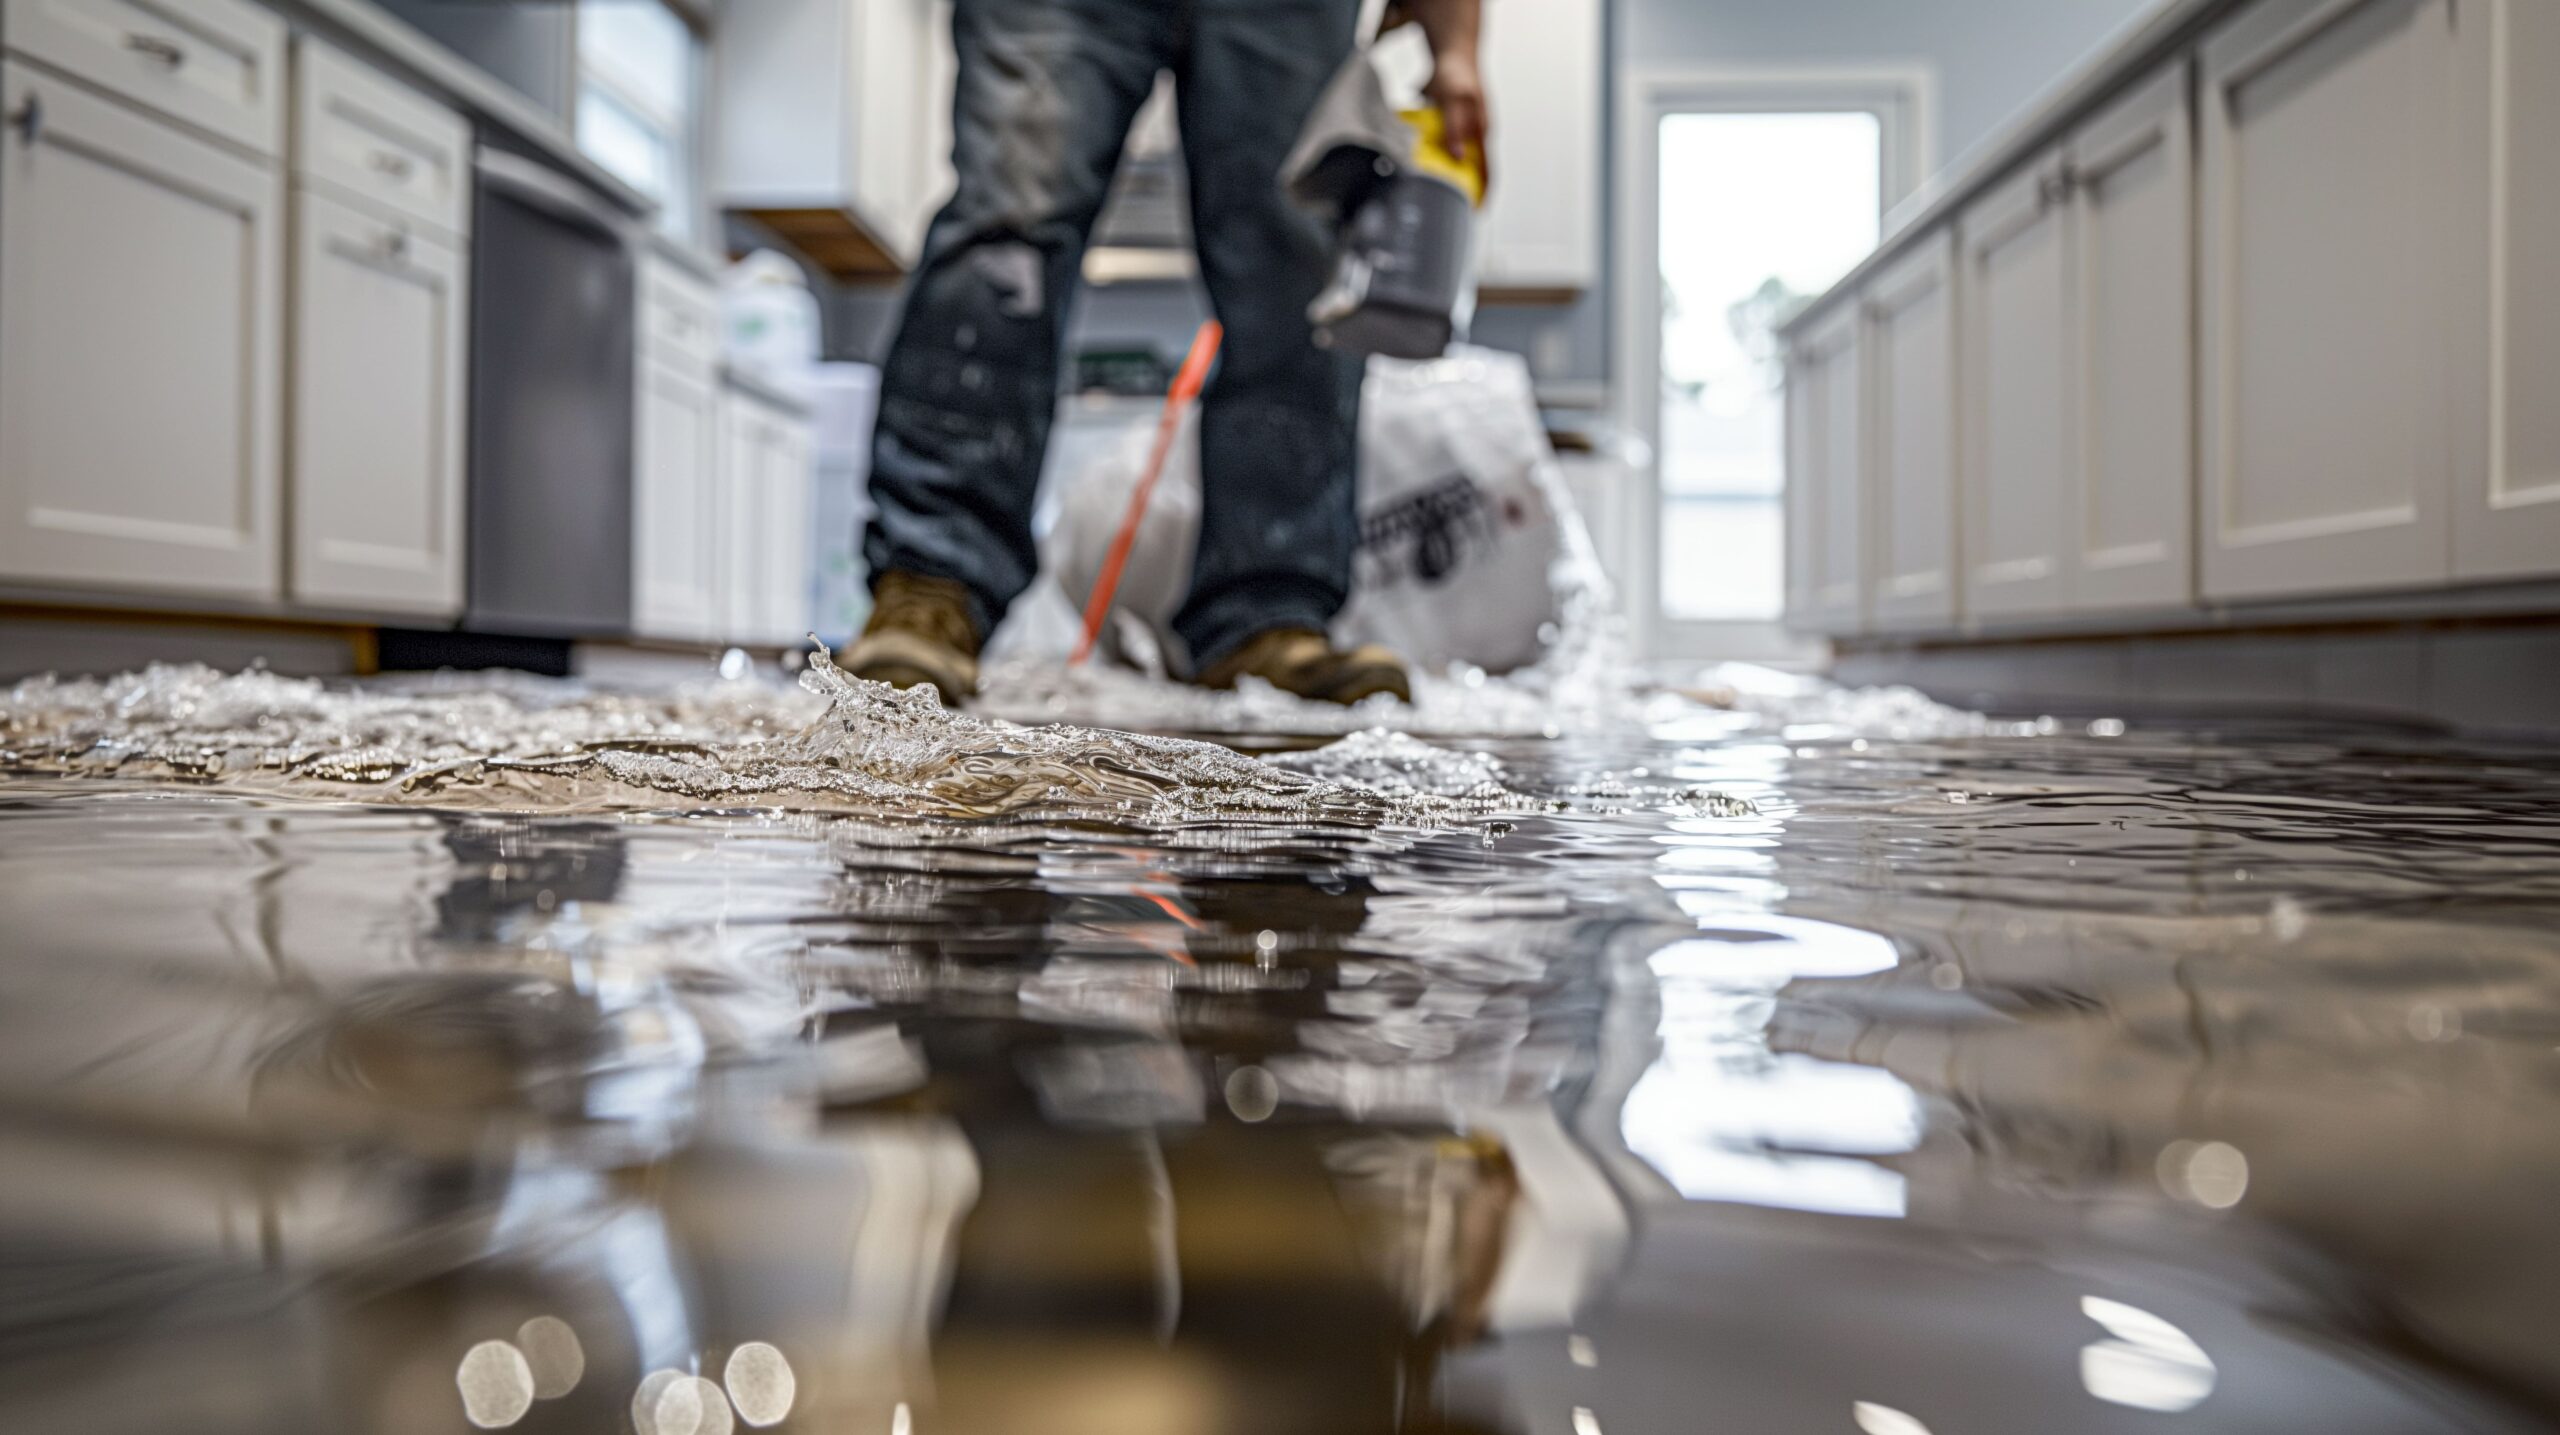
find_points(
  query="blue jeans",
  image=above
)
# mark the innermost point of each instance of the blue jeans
(1045, 95)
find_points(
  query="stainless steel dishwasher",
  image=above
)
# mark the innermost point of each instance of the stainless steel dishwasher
(552, 334)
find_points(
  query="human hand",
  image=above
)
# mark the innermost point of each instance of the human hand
(1457, 92)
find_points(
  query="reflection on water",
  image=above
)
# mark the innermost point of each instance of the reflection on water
(1760, 1071)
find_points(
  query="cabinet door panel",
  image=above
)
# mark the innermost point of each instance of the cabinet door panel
(784, 541)
(1835, 506)
(2019, 417)
(1542, 65)
(2507, 462)
(377, 457)
(139, 302)
(1911, 317)
(2328, 250)
(675, 521)
(739, 509)
(1804, 447)
(2132, 532)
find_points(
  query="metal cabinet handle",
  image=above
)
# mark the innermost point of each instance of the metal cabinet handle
(29, 119)
(394, 243)
(398, 166)
(166, 52)
(2058, 186)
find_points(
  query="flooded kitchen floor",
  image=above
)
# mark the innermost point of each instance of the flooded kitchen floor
(1789, 1072)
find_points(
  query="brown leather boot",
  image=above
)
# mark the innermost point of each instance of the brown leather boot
(920, 633)
(1303, 661)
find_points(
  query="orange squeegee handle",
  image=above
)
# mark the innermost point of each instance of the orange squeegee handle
(1186, 387)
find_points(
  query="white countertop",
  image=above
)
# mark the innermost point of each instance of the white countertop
(2159, 30)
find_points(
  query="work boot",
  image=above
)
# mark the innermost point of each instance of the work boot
(1302, 661)
(920, 632)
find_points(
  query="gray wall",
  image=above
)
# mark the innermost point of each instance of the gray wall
(1991, 56)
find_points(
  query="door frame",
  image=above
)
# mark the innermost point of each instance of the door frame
(1902, 95)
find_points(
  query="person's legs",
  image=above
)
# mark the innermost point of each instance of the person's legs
(1277, 425)
(1045, 93)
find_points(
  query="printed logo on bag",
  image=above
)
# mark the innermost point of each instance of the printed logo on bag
(1426, 535)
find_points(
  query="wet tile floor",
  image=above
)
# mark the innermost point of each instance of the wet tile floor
(1980, 1081)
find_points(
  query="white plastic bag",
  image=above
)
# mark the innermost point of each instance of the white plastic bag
(1458, 523)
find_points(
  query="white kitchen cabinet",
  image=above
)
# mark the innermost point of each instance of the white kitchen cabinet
(2018, 418)
(2333, 241)
(783, 569)
(380, 324)
(765, 503)
(376, 144)
(834, 125)
(2131, 511)
(214, 66)
(1540, 225)
(1827, 570)
(2506, 498)
(675, 521)
(380, 330)
(677, 526)
(1803, 415)
(141, 271)
(1910, 312)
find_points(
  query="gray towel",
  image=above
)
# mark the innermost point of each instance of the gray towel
(1351, 143)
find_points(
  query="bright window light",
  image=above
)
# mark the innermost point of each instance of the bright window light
(1760, 212)
(636, 99)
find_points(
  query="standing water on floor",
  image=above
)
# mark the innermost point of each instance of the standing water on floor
(445, 1055)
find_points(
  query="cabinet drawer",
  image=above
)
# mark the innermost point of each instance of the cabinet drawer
(379, 143)
(377, 418)
(215, 64)
(679, 314)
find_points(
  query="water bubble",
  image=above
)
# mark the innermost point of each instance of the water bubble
(1584, 1422)
(496, 1384)
(1252, 1094)
(1582, 1352)
(691, 1405)
(760, 1383)
(552, 1351)
(644, 1403)
(2213, 1174)
(2286, 920)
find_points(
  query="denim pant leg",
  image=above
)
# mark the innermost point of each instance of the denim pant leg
(1278, 424)
(1044, 95)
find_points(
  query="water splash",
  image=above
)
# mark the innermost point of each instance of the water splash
(840, 744)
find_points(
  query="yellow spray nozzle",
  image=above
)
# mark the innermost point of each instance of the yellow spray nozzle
(1431, 156)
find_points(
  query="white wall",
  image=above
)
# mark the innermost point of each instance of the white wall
(1991, 56)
